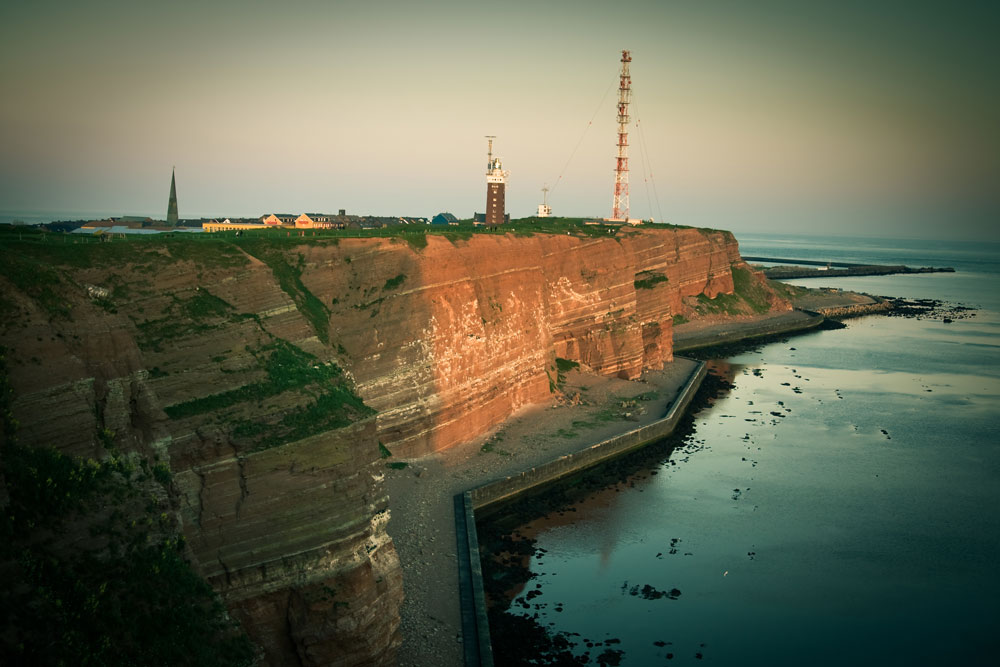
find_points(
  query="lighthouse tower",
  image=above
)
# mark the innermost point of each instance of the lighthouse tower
(496, 185)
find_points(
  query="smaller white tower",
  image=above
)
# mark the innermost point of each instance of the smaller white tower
(544, 210)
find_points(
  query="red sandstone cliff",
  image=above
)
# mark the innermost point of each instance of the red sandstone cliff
(473, 328)
(220, 358)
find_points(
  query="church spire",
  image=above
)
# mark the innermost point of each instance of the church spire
(172, 203)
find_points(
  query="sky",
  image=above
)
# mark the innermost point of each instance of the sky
(873, 118)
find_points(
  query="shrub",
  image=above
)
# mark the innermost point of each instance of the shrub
(649, 280)
(126, 595)
(393, 283)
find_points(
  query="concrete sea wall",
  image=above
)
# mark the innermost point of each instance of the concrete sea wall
(686, 338)
(475, 626)
(508, 487)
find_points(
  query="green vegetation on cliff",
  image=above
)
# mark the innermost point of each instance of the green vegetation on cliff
(790, 292)
(93, 568)
(416, 235)
(748, 294)
(198, 314)
(562, 367)
(649, 280)
(336, 407)
(752, 291)
(393, 283)
(327, 399)
(287, 367)
(37, 279)
(149, 250)
(52, 271)
(122, 593)
(289, 277)
(41, 264)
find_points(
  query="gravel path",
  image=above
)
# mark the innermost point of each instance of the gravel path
(421, 495)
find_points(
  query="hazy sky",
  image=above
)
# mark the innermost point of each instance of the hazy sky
(857, 117)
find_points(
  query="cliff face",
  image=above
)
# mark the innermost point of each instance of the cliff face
(447, 341)
(237, 363)
(194, 356)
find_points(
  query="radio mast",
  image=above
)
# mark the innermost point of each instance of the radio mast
(620, 208)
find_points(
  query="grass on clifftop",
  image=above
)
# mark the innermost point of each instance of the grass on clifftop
(83, 251)
(40, 263)
(222, 248)
(38, 280)
(416, 235)
(33, 258)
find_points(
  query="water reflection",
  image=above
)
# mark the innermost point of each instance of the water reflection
(819, 510)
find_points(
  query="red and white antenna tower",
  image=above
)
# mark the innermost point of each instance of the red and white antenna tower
(620, 208)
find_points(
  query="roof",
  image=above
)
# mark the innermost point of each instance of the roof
(444, 218)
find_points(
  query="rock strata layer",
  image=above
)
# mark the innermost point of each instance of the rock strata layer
(197, 362)
(236, 363)
(472, 330)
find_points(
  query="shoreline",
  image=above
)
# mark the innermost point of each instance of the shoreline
(421, 495)
(500, 491)
(512, 488)
(590, 410)
(698, 335)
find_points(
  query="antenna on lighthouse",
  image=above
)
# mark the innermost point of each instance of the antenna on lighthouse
(620, 208)
(489, 150)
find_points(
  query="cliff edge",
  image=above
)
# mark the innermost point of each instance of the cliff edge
(273, 375)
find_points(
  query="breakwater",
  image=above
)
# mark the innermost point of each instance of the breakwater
(857, 309)
(804, 262)
(804, 268)
(504, 489)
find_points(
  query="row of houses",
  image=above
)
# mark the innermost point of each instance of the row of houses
(311, 221)
(303, 221)
(339, 221)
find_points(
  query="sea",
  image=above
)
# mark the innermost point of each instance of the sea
(839, 505)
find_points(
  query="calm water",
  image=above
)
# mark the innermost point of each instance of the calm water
(841, 505)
